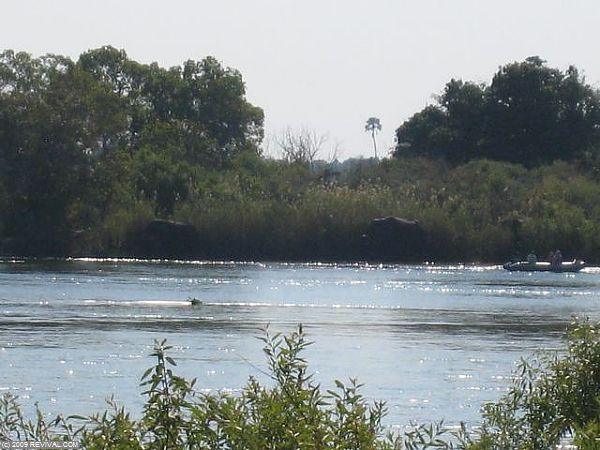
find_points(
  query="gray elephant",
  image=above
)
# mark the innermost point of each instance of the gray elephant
(395, 239)
(164, 239)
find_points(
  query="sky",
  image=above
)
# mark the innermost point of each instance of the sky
(323, 65)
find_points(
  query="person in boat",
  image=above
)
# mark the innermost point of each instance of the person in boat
(557, 259)
(531, 258)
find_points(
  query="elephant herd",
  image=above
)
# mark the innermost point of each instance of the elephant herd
(387, 239)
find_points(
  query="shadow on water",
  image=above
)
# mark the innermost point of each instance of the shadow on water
(73, 266)
(9, 325)
(456, 328)
(562, 282)
(437, 325)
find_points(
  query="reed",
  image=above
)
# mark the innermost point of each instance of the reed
(480, 211)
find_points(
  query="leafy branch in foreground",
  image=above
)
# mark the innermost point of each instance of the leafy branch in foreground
(15, 427)
(552, 397)
(295, 413)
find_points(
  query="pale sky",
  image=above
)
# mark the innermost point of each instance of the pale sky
(326, 65)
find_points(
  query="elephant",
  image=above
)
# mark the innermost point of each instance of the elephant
(165, 239)
(395, 239)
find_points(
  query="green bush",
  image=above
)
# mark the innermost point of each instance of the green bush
(552, 397)
(265, 209)
(295, 413)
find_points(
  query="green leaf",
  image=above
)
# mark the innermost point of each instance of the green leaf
(170, 361)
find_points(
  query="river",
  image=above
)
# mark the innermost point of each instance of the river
(433, 341)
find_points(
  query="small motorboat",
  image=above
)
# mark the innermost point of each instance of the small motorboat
(525, 266)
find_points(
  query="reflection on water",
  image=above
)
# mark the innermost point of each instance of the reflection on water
(433, 341)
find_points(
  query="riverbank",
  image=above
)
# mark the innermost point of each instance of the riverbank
(93, 151)
(269, 210)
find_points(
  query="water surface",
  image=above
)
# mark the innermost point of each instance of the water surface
(433, 341)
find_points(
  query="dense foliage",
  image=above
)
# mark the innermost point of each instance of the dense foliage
(530, 114)
(552, 397)
(83, 142)
(92, 150)
(482, 210)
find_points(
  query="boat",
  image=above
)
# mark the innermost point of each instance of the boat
(525, 266)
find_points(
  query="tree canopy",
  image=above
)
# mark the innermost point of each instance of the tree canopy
(530, 114)
(93, 150)
(72, 131)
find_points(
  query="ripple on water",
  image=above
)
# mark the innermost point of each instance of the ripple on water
(432, 340)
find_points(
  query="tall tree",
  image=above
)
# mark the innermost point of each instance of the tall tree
(463, 103)
(530, 114)
(522, 114)
(79, 140)
(426, 133)
(373, 126)
(52, 126)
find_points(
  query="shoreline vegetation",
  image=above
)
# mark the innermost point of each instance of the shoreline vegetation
(93, 150)
(553, 397)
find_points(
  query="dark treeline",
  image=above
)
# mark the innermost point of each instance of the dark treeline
(530, 114)
(92, 150)
(84, 143)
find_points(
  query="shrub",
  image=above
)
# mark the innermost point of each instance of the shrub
(295, 413)
(552, 397)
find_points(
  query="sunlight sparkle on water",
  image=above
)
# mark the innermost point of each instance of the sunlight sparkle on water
(399, 329)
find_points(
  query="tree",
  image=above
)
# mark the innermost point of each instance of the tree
(523, 112)
(530, 114)
(464, 103)
(208, 102)
(426, 133)
(79, 140)
(53, 117)
(373, 125)
(300, 146)
(161, 180)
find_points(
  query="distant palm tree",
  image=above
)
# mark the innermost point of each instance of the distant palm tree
(373, 125)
